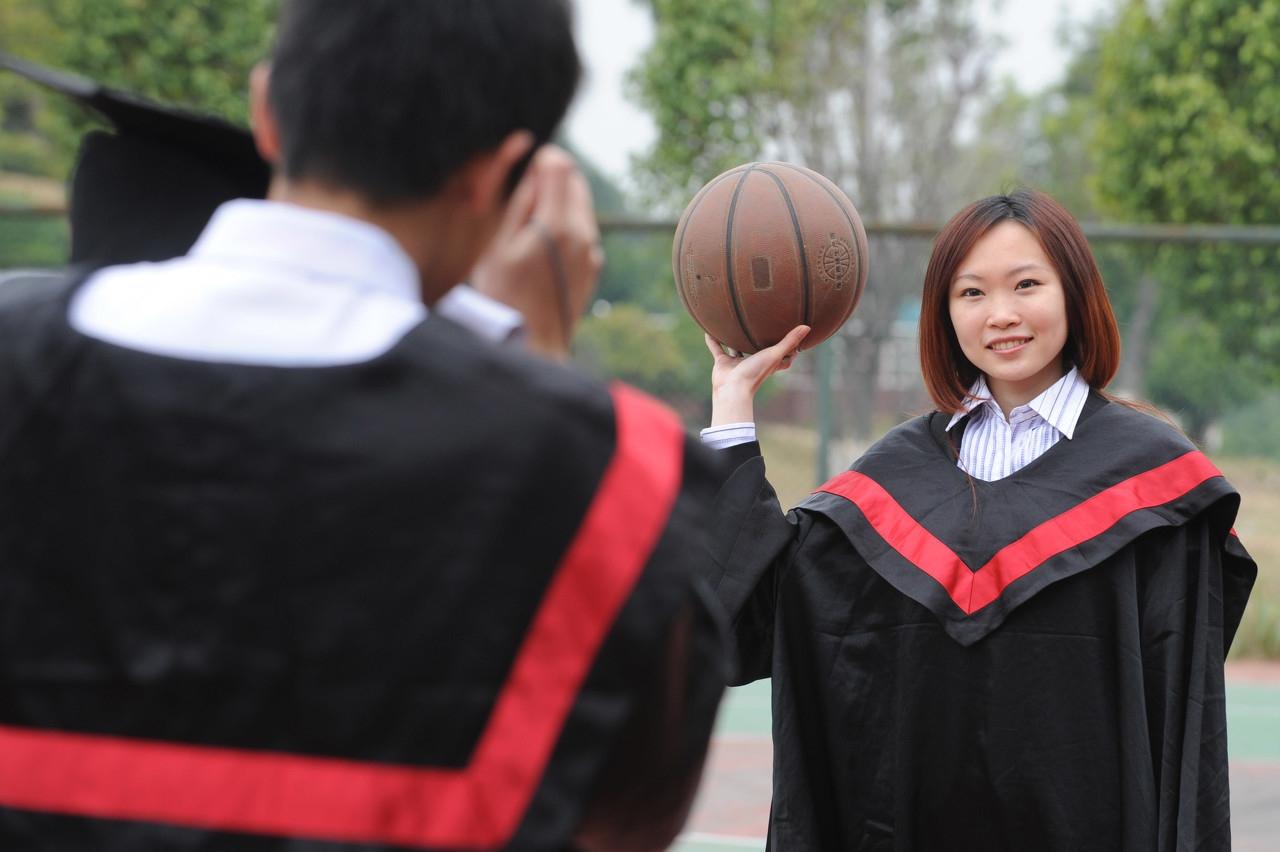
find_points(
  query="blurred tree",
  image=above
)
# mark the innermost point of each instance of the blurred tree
(1192, 374)
(1250, 431)
(26, 242)
(1063, 163)
(637, 271)
(1061, 159)
(195, 53)
(662, 353)
(656, 352)
(26, 143)
(1188, 114)
(871, 93)
(635, 262)
(608, 197)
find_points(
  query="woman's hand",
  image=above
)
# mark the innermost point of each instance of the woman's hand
(735, 379)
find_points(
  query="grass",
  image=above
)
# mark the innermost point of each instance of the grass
(29, 240)
(1258, 481)
(790, 453)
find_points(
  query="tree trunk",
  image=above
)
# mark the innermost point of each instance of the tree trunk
(1137, 339)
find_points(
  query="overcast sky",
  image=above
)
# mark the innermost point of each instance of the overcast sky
(612, 34)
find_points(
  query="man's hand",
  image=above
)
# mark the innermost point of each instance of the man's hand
(545, 259)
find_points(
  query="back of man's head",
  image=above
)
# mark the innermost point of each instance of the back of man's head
(389, 97)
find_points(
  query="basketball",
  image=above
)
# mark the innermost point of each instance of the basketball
(765, 247)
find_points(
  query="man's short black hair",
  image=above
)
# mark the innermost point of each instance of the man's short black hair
(390, 97)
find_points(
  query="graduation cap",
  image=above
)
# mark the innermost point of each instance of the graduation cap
(145, 189)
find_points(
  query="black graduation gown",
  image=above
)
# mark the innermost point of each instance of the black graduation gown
(1033, 663)
(444, 598)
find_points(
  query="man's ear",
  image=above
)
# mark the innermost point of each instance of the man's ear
(266, 133)
(482, 181)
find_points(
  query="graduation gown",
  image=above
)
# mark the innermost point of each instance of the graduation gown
(441, 599)
(1030, 663)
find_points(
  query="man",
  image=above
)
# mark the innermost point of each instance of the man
(290, 560)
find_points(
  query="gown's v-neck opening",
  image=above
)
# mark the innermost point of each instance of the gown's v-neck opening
(948, 443)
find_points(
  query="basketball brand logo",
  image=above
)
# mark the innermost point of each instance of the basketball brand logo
(836, 261)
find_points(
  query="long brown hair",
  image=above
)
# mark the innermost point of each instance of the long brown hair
(1093, 340)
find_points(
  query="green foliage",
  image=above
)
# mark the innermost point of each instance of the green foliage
(1193, 373)
(638, 271)
(176, 51)
(26, 241)
(27, 153)
(26, 122)
(659, 353)
(194, 53)
(1251, 430)
(704, 82)
(1062, 160)
(868, 92)
(1189, 115)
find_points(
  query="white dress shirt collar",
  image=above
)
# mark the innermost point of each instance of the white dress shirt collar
(275, 284)
(331, 246)
(1060, 404)
(313, 243)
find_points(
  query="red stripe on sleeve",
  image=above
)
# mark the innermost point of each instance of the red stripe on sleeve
(973, 590)
(477, 807)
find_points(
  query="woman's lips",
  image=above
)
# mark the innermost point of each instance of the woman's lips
(1011, 344)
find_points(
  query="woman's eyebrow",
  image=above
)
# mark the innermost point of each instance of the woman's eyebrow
(1017, 270)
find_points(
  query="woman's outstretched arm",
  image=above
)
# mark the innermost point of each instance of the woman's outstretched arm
(751, 540)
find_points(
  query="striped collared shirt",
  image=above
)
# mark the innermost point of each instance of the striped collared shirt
(993, 447)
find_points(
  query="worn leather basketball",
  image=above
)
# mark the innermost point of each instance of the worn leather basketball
(765, 247)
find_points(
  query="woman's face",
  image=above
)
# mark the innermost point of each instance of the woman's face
(1009, 312)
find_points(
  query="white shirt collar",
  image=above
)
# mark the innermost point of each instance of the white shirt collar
(273, 283)
(316, 243)
(331, 246)
(1059, 405)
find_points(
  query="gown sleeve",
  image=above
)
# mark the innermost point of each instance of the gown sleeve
(1194, 593)
(753, 544)
(644, 791)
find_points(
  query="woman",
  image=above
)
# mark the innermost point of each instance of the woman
(1004, 627)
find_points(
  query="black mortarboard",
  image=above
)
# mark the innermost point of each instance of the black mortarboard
(146, 190)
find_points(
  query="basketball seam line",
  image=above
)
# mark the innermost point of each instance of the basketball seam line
(679, 264)
(857, 256)
(804, 258)
(728, 257)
